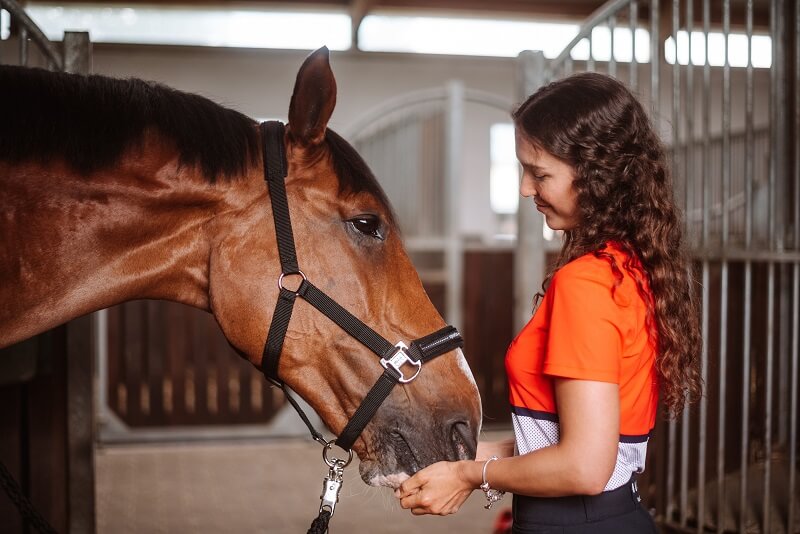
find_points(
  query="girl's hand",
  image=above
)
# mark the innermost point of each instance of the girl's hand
(438, 489)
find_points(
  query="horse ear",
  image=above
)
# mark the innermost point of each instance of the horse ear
(313, 99)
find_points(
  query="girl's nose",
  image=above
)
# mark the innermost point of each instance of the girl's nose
(526, 187)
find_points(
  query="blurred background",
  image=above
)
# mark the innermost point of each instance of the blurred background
(140, 418)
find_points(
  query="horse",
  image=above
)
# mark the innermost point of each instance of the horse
(114, 190)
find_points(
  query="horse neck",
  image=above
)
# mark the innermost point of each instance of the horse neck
(74, 244)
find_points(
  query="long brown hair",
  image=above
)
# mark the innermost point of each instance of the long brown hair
(624, 194)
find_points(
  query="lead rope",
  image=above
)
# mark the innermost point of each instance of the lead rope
(26, 509)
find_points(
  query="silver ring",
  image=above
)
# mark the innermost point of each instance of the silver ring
(335, 461)
(280, 279)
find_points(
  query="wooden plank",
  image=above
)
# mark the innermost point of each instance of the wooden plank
(80, 351)
(488, 326)
(10, 451)
(46, 420)
(156, 344)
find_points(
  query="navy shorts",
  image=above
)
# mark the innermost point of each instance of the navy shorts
(618, 511)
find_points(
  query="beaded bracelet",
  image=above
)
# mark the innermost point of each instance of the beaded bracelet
(492, 495)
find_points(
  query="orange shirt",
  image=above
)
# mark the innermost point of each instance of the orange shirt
(587, 330)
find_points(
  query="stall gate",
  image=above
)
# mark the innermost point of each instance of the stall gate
(414, 145)
(46, 382)
(729, 464)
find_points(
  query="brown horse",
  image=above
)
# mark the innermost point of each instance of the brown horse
(114, 190)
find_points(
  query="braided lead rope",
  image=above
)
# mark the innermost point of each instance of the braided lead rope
(320, 524)
(23, 504)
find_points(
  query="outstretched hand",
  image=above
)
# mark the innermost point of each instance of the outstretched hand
(438, 489)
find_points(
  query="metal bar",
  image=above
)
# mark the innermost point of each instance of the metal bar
(706, 127)
(671, 447)
(768, 396)
(684, 495)
(676, 94)
(689, 118)
(655, 57)
(736, 254)
(590, 63)
(612, 63)
(795, 369)
(453, 150)
(723, 369)
(703, 431)
(529, 260)
(723, 328)
(23, 46)
(748, 272)
(633, 77)
(704, 239)
(726, 124)
(22, 18)
(597, 17)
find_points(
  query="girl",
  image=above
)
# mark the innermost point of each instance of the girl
(615, 323)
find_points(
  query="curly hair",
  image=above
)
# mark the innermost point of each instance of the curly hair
(624, 195)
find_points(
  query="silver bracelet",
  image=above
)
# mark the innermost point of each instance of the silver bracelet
(492, 495)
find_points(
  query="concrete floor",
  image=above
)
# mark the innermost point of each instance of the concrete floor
(250, 486)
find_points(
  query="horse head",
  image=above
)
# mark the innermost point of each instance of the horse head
(348, 243)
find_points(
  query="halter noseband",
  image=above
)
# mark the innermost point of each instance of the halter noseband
(393, 357)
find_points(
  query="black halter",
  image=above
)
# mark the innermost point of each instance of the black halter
(392, 357)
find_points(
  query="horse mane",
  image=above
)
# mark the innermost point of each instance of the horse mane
(89, 121)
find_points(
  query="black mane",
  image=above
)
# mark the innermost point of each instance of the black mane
(90, 120)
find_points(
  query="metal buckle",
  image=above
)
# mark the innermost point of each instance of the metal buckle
(398, 359)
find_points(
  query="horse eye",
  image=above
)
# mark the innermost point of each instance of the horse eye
(369, 225)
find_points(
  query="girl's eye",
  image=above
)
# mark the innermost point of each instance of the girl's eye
(369, 225)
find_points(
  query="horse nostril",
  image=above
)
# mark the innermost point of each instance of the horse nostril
(464, 443)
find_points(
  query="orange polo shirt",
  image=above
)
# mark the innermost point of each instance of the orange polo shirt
(587, 327)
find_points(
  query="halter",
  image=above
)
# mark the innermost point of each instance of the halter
(393, 357)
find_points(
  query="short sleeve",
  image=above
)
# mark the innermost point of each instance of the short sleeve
(585, 337)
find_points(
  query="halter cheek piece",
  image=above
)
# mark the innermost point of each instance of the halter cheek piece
(395, 358)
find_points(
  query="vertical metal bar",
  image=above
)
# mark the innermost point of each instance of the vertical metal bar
(633, 79)
(23, 46)
(655, 57)
(590, 63)
(768, 395)
(776, 12)
(671, 448)
(529, 259)
(723, 323)
(748, 271)
(676, 95)
(689, 118)
(705, 237)
(612, 63)
(568, 66)
(454, 255)
(796, 284)
(683, 503)
(703, 431)
(684, 495)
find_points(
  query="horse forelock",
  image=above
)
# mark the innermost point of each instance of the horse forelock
(90, 121)
(354, 174)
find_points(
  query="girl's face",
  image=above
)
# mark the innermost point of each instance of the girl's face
(549, 181)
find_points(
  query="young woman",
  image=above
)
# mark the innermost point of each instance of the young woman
(616, 323)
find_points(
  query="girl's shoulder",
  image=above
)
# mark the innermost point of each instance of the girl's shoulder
(612, 267)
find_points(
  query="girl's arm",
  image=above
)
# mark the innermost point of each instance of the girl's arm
(501, 449)
(580, 464)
